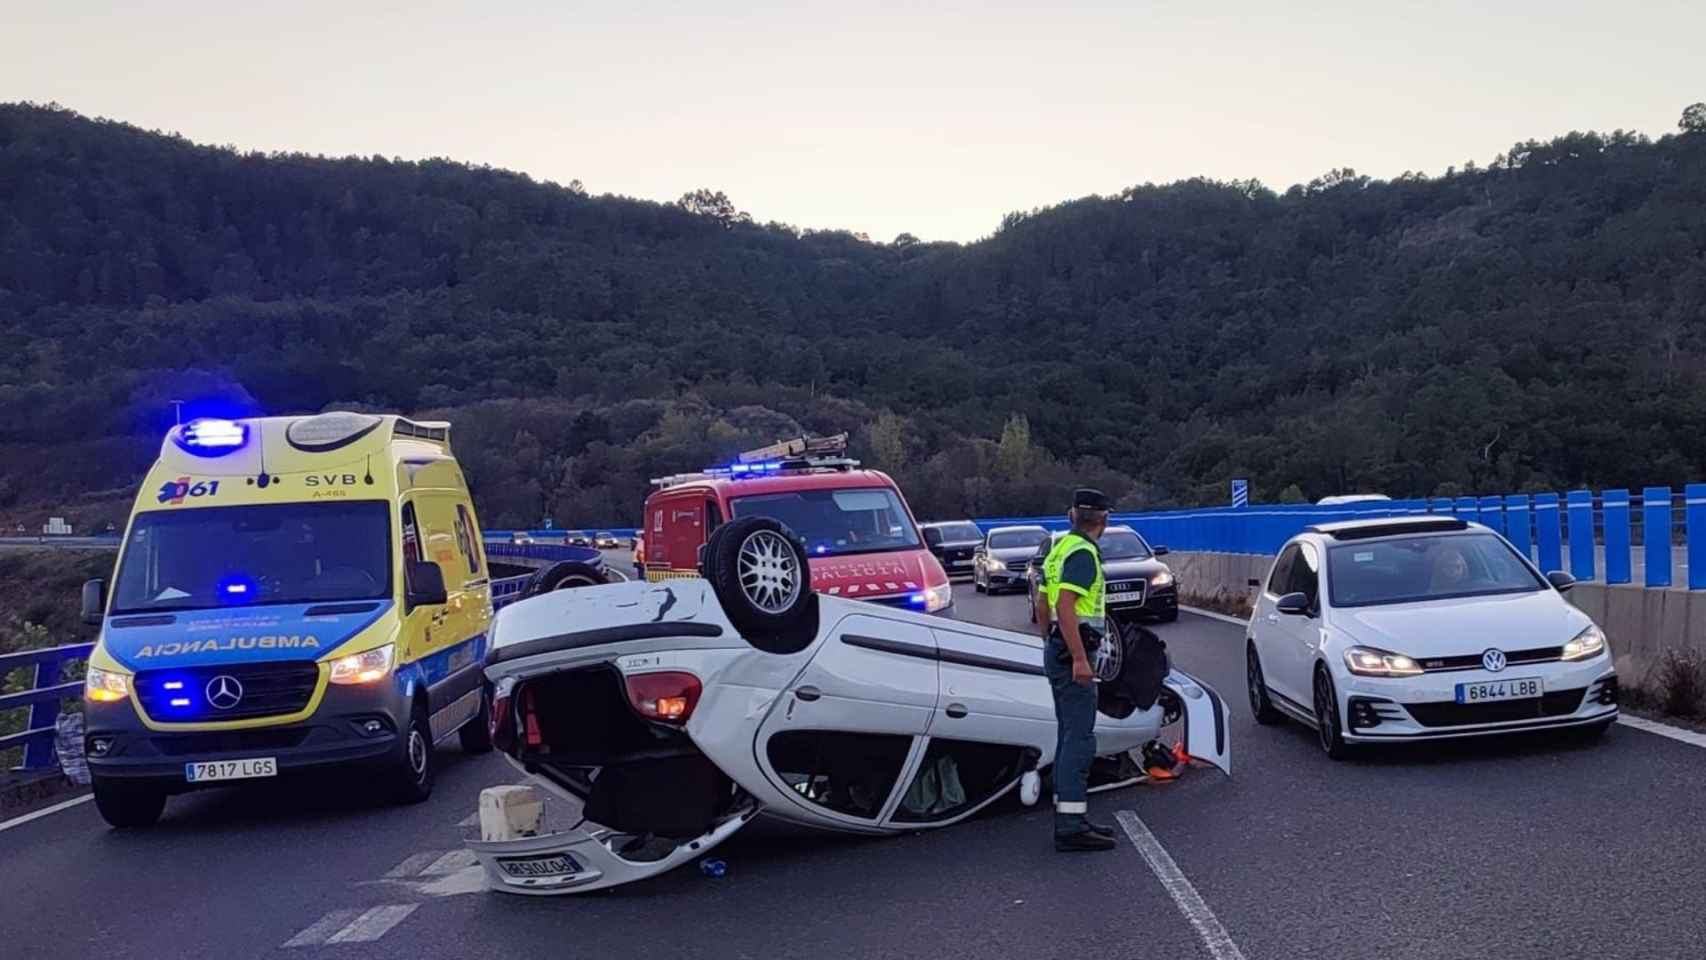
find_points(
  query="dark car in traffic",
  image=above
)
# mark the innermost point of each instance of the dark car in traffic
(953, 542)
(1004, 556)
(1138, 583)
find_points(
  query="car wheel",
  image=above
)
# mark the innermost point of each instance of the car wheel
(476, 734)
(1327, 724)
(126, 805)
(758, 569)
(412, 770)
(1257, 682)
(563, 576)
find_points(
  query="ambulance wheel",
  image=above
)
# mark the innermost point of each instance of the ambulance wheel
(128, 804)
(758, 568)
(412, 770)
(476, 734)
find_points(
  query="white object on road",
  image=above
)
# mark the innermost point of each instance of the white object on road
(510, 812)
(1030, 788)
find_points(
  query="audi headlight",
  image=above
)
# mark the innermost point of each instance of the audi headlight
(1589, 643)
(105, 686)
(1372, 662)
(1162, 579)
(365, 667)
(937, 598)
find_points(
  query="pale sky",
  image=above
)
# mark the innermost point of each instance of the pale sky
(933, 119)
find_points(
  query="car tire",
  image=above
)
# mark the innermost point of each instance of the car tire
(1329, 727)
(128, 805)
(759, 571)
(476, 734)
(567, 575)
(412, 769)
(1256, 683)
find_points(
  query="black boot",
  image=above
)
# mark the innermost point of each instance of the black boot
(1083, 841)
(1101, 828)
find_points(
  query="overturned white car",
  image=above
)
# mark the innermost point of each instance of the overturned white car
(676, 712)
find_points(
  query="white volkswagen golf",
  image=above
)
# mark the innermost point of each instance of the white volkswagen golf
(1414, 628)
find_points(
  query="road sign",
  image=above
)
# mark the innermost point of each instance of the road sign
(1240, 493)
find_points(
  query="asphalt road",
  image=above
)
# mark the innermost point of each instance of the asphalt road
(1537, 848)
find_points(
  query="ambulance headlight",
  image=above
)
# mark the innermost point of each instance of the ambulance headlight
(210, 438)
(105, 686)
(367, 667)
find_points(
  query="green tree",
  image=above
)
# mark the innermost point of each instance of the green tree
(1693, 118)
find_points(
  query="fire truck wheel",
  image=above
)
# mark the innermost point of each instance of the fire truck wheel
(758, 568)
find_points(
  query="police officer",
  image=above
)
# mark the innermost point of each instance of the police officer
(1072, 616)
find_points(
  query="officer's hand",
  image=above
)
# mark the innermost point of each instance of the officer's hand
(1081, 672)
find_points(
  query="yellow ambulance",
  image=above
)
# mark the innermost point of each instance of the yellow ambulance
(291, 594)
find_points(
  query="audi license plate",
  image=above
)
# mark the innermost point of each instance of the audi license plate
(231, 769)
(1485, 691)
(540, 868)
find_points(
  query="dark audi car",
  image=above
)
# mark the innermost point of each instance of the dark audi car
(1004, 556)
(1139, 584)
(953, 543)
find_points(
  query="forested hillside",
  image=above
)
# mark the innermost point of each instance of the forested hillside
(1533, 324)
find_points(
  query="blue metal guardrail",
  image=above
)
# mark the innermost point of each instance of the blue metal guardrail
(48, 688)
(1542, 525)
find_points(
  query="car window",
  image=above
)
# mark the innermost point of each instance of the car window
(1123, 545)
(932, 536)
(466, 539)
(1413, 569)
(1305, 573)
(1009, 539)
(1279, 579)
(955, 776)
(837, 521)
(850, 773)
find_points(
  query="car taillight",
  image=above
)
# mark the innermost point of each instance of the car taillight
(668, 696)
(530, 718)
(502, 729)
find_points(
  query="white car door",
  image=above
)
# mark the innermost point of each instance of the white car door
(844, 731)
(1299, 634)
(1276, 633)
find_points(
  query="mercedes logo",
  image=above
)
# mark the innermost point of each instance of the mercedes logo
(225, 692)
(1493, 660)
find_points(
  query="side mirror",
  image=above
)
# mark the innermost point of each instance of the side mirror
(1560, 581)
(1252, 582)
(94, 602)
(425, 585)
(1160, 551)
(1294, 604)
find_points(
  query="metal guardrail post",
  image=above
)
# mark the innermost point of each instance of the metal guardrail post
(1614, 511)
(1582, 560)
(39, 755)
(1548, 533)
(1694, 514)
(1655, 534)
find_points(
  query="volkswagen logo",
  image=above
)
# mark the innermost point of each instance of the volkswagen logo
(1493, 660)
(225, 692)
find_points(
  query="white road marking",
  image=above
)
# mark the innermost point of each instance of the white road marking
(1223, 618)
(1190, 903)
(373, 924)
(450, 863)
(1663, 729)
(45, 811)
(471, 820)
(414, 865)
(324, 927)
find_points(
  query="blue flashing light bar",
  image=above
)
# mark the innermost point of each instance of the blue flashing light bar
(209, 437)
(180, 701)
(236, 589)
(173, 685)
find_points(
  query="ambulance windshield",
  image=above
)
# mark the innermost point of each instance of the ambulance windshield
(866, 520)
(210, 557)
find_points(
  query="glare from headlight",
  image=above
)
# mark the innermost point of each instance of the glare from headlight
(365, 667)
(937, 598)
(105, 686)
(1589, 643)
(1161, 579)
(1373, 662)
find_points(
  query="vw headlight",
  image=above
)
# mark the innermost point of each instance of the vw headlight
(365, 667)
(937, 598)
(1162, 579)
(105, 686)
(1589, 643)
(1373, 662)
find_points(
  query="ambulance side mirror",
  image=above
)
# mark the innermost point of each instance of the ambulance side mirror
(425, 585)
(94, 602)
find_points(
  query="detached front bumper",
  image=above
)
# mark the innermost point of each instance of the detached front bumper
(1426, 708)
(119, 746)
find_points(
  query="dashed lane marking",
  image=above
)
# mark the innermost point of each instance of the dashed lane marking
(1663, 729)
(45, 811)
(324, 927)
(373, 924)
(1191, 904)
(450, 863)
(416, 864)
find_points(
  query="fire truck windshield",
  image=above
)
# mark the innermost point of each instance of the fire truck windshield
(837, 521)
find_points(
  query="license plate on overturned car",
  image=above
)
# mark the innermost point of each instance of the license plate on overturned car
(247, 769)
(539, 868)
(1485, 691)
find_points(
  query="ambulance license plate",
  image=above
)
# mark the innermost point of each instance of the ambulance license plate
(248, 769)
(1485, 691)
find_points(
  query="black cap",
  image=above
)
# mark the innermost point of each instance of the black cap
(1087, 498)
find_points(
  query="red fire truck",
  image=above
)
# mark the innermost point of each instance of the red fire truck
(858, 531)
